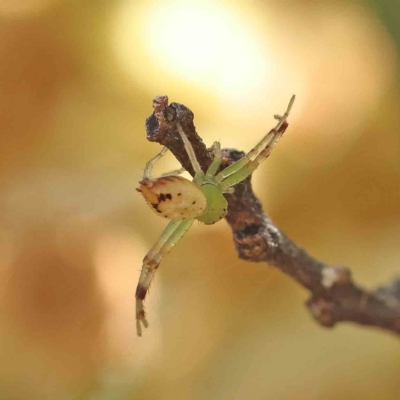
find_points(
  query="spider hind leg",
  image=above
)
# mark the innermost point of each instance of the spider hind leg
(168, 239)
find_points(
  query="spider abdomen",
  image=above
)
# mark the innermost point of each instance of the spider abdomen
(173, 197)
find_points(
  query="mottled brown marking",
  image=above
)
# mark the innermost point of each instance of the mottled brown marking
(150, 262)
(146, 182)
(141, 292)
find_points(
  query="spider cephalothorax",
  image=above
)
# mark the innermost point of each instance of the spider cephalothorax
(182, 201)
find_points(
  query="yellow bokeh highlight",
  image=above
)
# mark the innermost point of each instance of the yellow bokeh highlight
(241, 66)
(206, 44)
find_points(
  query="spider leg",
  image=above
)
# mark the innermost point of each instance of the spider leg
(149, 165)
(268, 141)
(174, 172)
(247, 166)
(213, 168)
(199, 174)
(168, 239)
(244, 167)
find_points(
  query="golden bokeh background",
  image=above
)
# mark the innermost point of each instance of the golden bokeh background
(77, 79)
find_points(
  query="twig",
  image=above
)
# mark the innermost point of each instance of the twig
(335, 297)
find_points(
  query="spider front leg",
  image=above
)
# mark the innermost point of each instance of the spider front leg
(150, 164)
(213, 168)
(175, 172)
(244, 167)
(168, 239)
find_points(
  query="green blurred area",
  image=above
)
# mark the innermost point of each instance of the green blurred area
(77, 82)
(389, 11)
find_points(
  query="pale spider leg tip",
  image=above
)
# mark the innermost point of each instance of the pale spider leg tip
(216, 146)
(140, 317)
(282, 118)
(289, 108)
(138, 328)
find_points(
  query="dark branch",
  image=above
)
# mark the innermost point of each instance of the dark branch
(335, 297)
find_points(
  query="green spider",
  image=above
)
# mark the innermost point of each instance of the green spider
(182, 201)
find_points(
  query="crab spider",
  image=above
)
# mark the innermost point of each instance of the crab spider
(182, 201)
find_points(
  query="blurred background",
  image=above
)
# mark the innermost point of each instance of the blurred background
(77, 80)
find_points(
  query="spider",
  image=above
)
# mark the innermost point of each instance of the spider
(182, 201)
